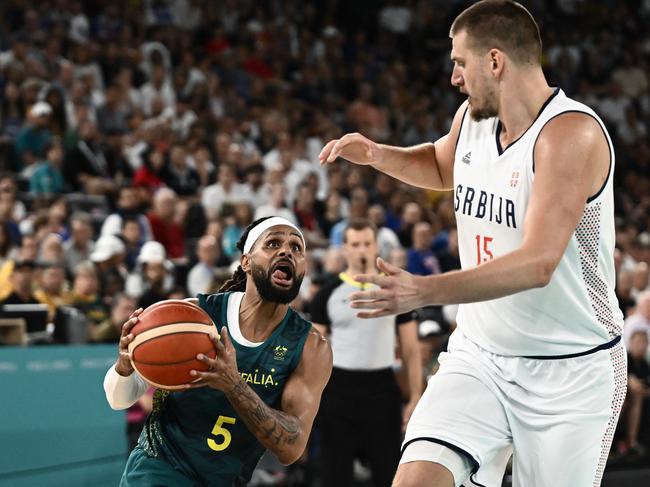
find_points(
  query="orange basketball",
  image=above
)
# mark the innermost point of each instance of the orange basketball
(167, 338)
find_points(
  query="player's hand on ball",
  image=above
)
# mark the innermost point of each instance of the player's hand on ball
(353, 147)
(398, 292)
(123, 365)
(222, 370)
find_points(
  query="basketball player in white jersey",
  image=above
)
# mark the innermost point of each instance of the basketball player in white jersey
(535, 368)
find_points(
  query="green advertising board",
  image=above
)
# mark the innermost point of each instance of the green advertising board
(56, 428)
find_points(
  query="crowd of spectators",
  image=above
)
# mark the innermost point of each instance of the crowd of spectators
(138, 139)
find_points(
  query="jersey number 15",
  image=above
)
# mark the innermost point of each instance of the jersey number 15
(483, 252)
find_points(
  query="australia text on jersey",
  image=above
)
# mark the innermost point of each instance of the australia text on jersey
(258, 378)
(488, 205)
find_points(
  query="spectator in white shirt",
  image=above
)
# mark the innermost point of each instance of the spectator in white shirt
(639, 320)
(225, 190)
(260, 191)
(201, 275)
(276, 206)
(158, 87)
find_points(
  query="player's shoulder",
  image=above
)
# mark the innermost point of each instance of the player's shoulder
(317, 347)
(295, 330)
(575, 127)
(215, 298)
(214, 304)
(566, 118)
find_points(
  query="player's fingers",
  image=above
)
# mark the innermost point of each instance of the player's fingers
(374, 304)
(387, 268)
(378, 279)
(136, 313)
(196, 384)
(215, 339)
(370, 295)
(340, 145)
(218, 344)
(125, 340)
(126, 355)
(130, 323)
(210, 362)
(322, 157)
(225, 338)
(375, 314)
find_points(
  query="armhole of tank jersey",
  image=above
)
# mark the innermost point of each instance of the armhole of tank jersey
(610, 169)
(609, 147)
(460, 130)
(300, 345)
(205, 303)
(223, 310)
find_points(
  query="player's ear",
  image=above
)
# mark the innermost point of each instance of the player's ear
(245, 263)
(497, 59)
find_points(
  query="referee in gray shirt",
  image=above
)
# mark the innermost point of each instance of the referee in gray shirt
(361, 413)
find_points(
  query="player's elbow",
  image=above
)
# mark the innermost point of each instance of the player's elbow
(544, 267)
(290, 456)
(116, 405)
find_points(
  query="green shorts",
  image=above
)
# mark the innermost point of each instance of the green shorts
(142, 470)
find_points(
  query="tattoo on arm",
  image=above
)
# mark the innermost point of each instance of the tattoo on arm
(271, 427)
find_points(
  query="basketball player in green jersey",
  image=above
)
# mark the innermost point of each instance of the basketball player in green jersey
(262, 390)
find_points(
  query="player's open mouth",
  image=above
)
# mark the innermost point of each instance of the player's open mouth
(282, 274)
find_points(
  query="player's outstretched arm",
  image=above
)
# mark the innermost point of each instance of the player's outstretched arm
(428, 165)
(284, 432)
(571, 164)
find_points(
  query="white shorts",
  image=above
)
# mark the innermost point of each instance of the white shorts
(556, 416)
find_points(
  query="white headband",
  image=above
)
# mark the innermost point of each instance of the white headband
(259, 229)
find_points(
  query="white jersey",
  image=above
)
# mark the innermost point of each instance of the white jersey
(578, 310)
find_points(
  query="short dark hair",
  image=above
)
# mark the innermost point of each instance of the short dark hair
(504, 25)
(359, 224)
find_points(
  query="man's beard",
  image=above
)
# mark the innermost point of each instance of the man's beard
(485, 110)
(268, 291)
(482, 113)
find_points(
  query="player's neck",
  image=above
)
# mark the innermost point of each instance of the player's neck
(257, 317)
(520, 106)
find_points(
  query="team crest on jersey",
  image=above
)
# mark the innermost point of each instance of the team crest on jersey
(279, 352)
(514, 179)
(467, 158)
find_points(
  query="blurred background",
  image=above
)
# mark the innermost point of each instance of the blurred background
(139, 138)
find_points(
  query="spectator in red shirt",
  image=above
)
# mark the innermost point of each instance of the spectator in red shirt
(153, 171)
(306, 209)
(164, 224)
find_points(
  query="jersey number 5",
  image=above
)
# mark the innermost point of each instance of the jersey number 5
(483, 252)
(219, 430)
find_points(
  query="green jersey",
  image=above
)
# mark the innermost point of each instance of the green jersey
(198, 431)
